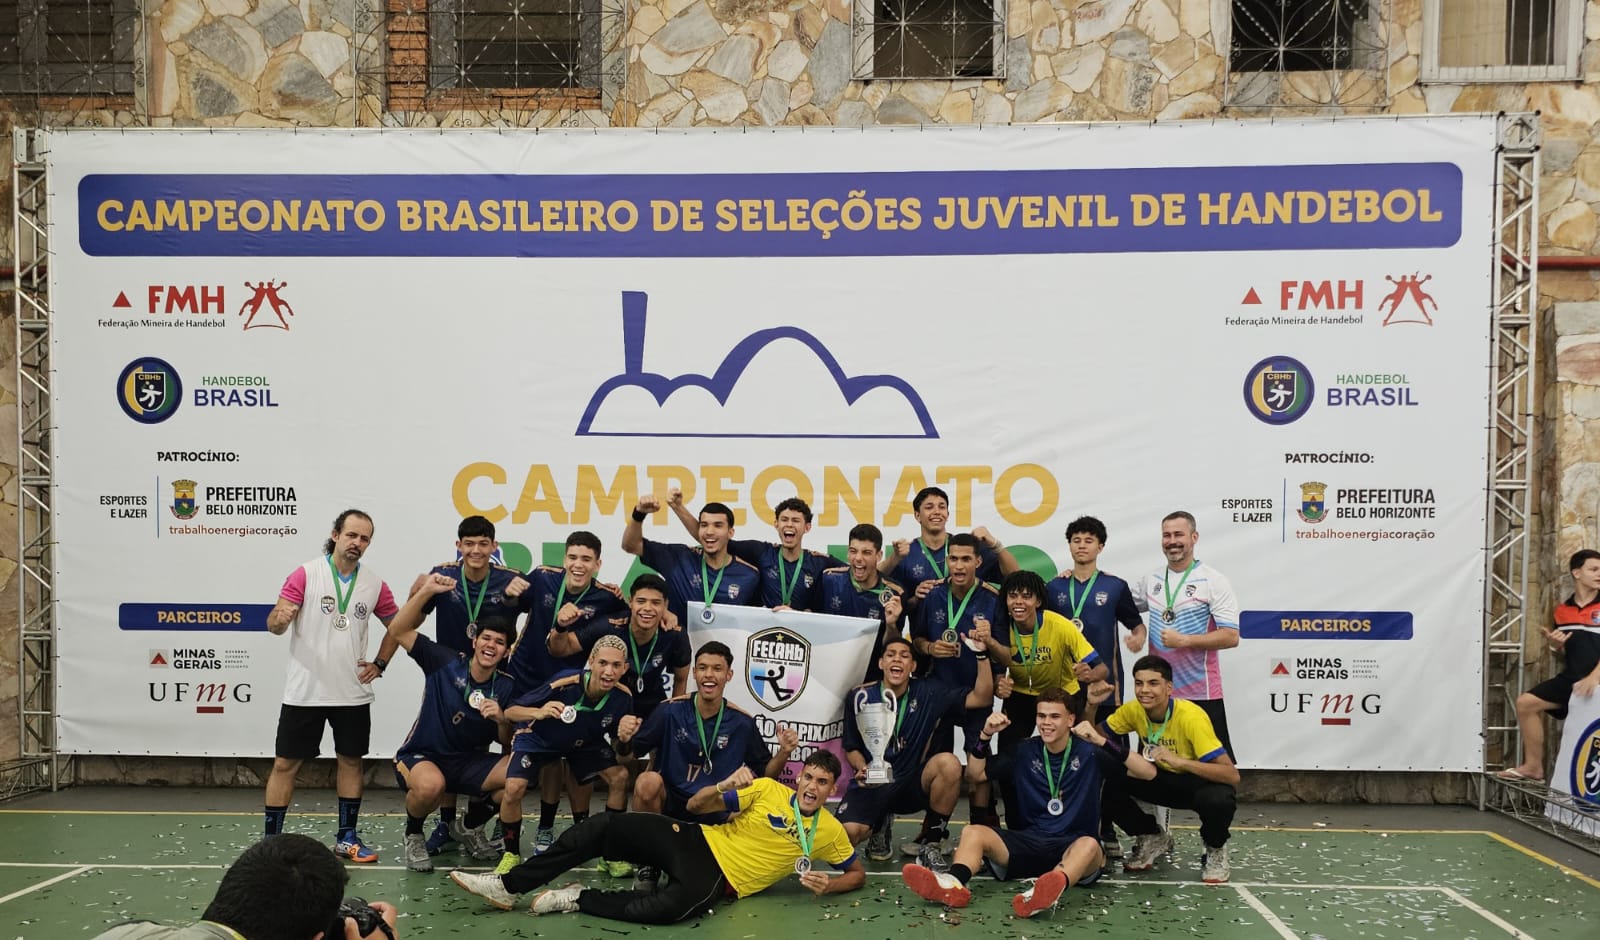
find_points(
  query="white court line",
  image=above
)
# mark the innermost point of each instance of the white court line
(1272, 919)
(1486, 914)
(46, 883)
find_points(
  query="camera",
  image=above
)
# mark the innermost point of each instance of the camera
(367, 918)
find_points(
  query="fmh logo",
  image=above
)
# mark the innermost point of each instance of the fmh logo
(779, 664)
(149, 390)
(1408, 286)
(266, 292)
(1278, 390)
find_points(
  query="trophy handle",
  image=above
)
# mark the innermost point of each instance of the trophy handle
(888, 698)
(861, 700)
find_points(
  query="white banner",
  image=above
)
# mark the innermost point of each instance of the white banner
(1577, 770)
(791, 669)
(1281, 327)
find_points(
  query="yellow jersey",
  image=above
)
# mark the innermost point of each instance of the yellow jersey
(1187, 732)
(1044, 658)
(759, 846)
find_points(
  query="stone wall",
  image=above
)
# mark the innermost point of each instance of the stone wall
(680, 63)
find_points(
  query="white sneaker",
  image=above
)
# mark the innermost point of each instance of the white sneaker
(1147, 850)
(1216, 869)
(487, 886)
(558, 900)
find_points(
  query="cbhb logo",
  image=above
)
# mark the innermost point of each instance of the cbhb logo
(1278, 390)
(1585, 783)
(149, 390)
(779, 664)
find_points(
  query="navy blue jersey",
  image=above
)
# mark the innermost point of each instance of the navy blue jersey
(1077, 771)
(921, 565)
(531, 661)
(740, 583)
(595, 719)
(448, 722)
(839, 595)
(932, 619)
(767, 557)
(1102, 603)
(453, 607)
(651, 664)
(673, 735)
(926, 705)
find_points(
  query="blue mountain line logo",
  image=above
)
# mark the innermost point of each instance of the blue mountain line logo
(869, 406)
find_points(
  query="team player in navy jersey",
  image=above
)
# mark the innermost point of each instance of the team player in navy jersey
(560, 601)
(569, 717)
(859, 591)
(447, 750)
(790, 573)
(949, 628)
(482, 589)
(1096, 601)
(919, 563)
(922, 779)
(1057, 778)
(658, 658)
(704, 572)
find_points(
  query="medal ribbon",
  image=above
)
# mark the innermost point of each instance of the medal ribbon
(1154, 736)
(941, 570)
(705, 748)
(786, 586)
(633, 651)
(1049, 778)
(466, 594)
(805, 837)
(953, 615)
(338, 579)
(1030, 659)
(708, 589)
(561, 599)
(1171, 594)
(583, 694)
(1078, 602)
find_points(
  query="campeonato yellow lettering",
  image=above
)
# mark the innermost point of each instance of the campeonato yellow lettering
(837, 495)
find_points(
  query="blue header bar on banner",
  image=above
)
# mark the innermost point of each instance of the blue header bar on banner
(1000, 212)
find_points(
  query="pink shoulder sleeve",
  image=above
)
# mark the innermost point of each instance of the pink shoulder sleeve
(386, 606)
(294, 587)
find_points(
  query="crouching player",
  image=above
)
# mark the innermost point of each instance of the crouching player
(447, 750)
(1057, 778)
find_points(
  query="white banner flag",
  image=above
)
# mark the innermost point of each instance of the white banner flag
(796, 671)
(1577, 770)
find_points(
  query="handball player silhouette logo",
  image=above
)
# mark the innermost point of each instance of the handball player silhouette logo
(266, 292)
(1408, 285)
(735, 400)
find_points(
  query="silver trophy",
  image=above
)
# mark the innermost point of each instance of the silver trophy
(875, 721)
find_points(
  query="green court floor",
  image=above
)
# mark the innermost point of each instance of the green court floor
(1315, 873)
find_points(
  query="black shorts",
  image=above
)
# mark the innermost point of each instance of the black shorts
(1557, 690)
(463, 774)
(1032, 854)
(676, 805)
(300, 730)
(871, 805)
(586, 765)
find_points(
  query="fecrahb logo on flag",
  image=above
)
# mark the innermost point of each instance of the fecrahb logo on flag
(779, 663)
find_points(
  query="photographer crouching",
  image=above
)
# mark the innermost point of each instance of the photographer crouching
(285, 887)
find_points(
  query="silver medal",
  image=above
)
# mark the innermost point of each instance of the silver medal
(706, 616)
(341, 622)
(950, 636)
(569, 715)
(476, 699)
(802, 865)
(640, 684)
(1167, 616)
(1054, 807)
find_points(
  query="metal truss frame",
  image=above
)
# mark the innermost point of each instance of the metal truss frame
(40, 766)
(1513, 398)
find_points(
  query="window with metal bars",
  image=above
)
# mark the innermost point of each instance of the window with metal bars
(1298, 35)
(67, 47)
(1505, 40)
(494, 45)
(933, 39)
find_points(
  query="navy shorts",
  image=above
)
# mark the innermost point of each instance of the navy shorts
(586, 764)
(869, 806)
(464, 774)
(1032, 854)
